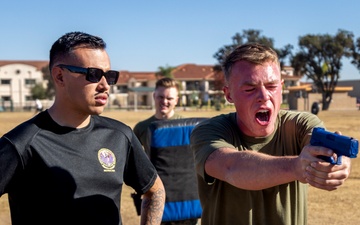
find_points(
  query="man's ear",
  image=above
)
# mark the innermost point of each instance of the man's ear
(57, 74)
(227, 94)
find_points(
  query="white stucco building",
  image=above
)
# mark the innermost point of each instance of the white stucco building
(16, 80)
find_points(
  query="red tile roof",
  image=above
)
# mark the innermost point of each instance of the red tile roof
(194, 72)
(182, 72)
(139, 76)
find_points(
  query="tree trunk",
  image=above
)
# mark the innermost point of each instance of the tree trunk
(327, 97)
(325, 105)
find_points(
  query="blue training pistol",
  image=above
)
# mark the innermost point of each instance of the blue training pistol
(340, 144)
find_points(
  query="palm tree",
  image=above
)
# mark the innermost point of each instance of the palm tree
(165, 71)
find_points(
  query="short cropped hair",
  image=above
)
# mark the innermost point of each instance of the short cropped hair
(167, 83)
(72, 40)
(252, 52)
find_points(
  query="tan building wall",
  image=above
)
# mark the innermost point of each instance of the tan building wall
(340, 101)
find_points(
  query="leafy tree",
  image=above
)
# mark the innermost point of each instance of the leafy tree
(50, 90)
(356, 54)
(251, 36)
(38, 91)
(165, 71)
(319, 58)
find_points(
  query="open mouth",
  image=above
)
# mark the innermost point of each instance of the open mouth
(263, 115)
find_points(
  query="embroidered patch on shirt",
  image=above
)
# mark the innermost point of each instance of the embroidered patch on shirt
(107, 159)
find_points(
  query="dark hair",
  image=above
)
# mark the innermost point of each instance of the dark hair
(72, 40)
(167, 83)
(252, 52)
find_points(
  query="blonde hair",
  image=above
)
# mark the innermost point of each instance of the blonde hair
(167, 83)
(251, 52)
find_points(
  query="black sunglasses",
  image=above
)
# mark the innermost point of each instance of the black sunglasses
(94, 75)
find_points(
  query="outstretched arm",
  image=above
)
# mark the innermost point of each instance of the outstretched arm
(252, 170)
(153, 204)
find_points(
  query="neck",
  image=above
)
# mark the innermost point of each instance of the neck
(162, 116)
(68, 119)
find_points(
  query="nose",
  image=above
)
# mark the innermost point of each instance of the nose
(263, 94)
(164, 101)
(103, 83)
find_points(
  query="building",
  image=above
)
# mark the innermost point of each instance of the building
(16, 80)
(355, 92)
(197, 86)
(304, 98)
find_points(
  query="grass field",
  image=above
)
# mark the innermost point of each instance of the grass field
(340, 207)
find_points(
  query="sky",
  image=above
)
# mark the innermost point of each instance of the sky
(142, 35)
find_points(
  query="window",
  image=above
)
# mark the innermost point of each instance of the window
(5, 98)
(30, 81)
(192, 85)
(122, 89)
(5, 81)
(212, 85)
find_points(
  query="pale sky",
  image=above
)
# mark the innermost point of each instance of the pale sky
(142, 35)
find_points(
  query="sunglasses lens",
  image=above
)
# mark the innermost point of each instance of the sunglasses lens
(94, 75)
(111, 77)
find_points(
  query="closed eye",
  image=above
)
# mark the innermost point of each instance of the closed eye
(249, 89)
(273, 86)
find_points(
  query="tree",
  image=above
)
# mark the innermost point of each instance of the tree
(165, 71)
(319, 59)
(38, 91)
(50, 89)
(356, 54)
(251, 36)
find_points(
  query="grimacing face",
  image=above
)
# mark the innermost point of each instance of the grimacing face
(256, 91)
(166, 100)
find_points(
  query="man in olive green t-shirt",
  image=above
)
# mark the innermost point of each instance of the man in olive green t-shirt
(254, 165)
